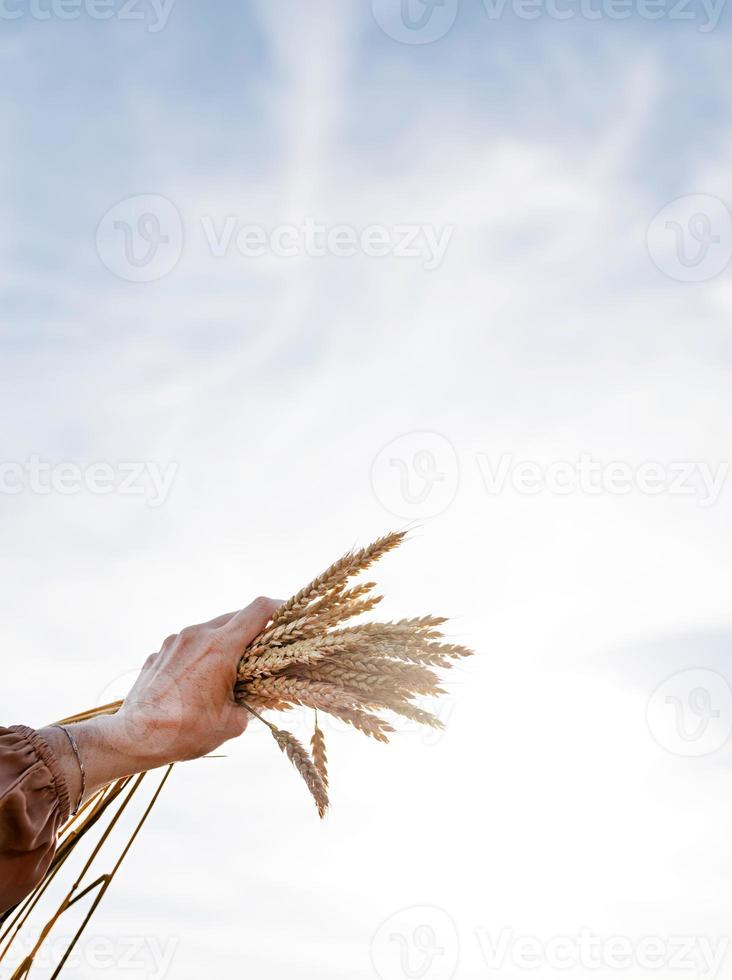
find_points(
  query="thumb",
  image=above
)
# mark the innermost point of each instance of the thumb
(249, 622)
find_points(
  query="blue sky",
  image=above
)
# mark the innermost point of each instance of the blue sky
(274, 385)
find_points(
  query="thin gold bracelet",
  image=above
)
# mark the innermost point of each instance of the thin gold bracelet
(82, 770)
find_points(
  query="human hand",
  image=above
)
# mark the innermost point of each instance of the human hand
(181, 706)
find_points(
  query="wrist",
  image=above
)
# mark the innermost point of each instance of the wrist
(108, 750)
(126, 750)
(67, 763)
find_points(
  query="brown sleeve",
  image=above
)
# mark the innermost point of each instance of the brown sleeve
(34, 805)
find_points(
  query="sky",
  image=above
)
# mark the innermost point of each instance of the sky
(278, 278)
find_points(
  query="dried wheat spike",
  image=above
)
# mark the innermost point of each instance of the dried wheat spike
(269, 660)
(415, 654)
(405, 626)
(308, 626)
(314, 694)
(406, 631)
(336, 575)
(364, 722)
(279, 635)
(320, 757)
(392, 676)
(263, 702)
(298, 756)
(408, 710)
(340, 598)
(278, 658)
(342, 611)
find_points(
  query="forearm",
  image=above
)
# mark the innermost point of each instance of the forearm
(106, 750)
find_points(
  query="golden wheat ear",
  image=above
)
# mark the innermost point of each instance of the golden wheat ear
(334, 578)
(299, 757)
(320, 756)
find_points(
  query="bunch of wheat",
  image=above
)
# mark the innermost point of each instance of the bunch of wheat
(306, 657)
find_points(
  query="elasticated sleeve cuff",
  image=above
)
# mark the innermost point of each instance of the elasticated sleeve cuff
(34, 805)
